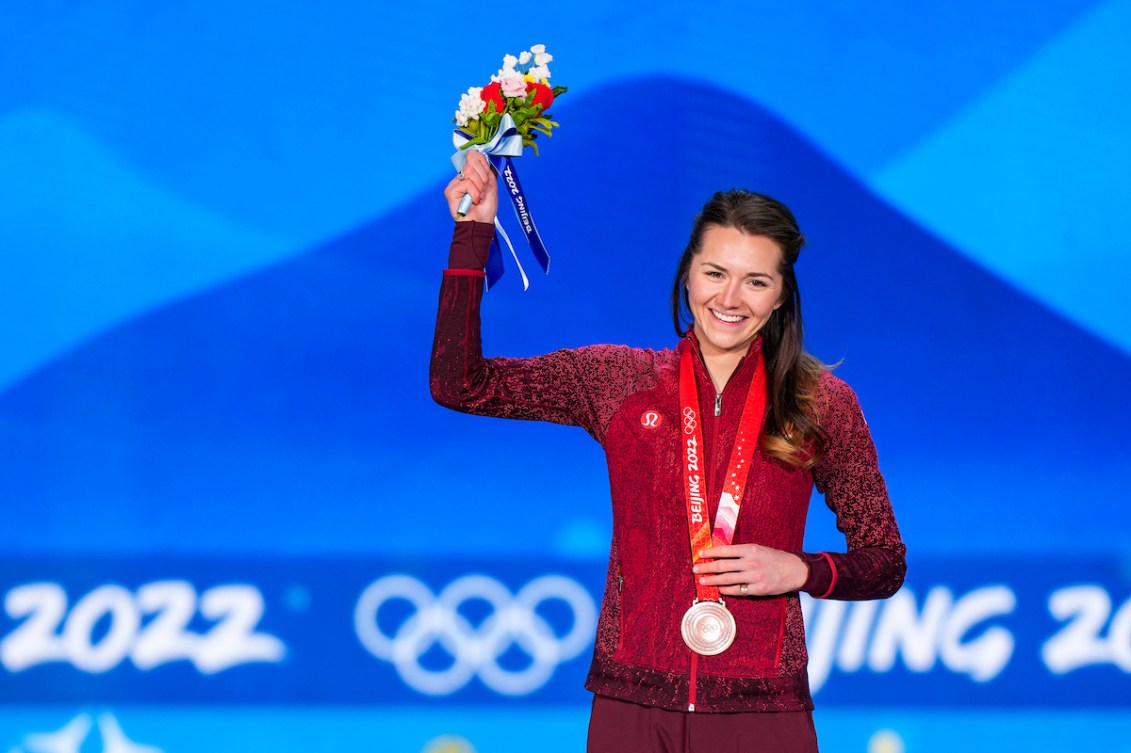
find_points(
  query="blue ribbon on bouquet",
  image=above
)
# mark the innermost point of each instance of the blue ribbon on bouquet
(507, 143)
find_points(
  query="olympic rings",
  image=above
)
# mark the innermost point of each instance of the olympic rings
(513, 621)
(689, 421)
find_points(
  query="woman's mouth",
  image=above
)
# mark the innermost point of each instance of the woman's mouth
(728, 319)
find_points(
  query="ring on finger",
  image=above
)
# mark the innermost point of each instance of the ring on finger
(742, 589)
(461, 174)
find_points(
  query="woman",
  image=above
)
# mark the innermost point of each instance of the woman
(713, 450)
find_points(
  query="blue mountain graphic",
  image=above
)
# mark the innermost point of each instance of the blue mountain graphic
(90, 241)
(289, 410)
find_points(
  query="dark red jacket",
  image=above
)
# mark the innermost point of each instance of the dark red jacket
(616, 394)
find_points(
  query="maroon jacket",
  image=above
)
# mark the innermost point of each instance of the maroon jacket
(615, 393)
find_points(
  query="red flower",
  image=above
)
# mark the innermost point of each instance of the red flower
(543, 95)
(492, 93)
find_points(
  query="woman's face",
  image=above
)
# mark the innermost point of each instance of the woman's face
(733, 286)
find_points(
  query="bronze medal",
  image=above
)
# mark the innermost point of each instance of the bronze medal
(708, 628)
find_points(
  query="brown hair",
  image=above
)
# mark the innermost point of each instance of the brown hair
(792, 432)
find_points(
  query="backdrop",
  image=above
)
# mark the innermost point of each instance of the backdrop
(233, 518)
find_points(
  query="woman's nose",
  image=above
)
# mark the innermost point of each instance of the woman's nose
(729, 296)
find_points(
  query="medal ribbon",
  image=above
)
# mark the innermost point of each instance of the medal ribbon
(695, 464)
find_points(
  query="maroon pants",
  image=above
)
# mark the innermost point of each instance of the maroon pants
(623, 727)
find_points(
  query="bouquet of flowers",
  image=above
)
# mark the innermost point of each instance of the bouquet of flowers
(500, 120)
(520, 89)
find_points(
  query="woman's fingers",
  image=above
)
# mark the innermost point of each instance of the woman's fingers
(477, 168)
(475, 175)
(476, 179)
(764, 571)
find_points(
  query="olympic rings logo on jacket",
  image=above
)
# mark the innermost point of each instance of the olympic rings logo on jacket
(513, 622)
(689, 422)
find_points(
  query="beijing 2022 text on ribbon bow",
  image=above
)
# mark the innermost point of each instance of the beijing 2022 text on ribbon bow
(500, 120)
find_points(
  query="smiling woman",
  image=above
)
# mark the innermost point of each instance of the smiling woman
(732, 290)
(754, 241)
(737, 417)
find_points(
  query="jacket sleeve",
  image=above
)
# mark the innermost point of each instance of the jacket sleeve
(575, 387)
(848, 474)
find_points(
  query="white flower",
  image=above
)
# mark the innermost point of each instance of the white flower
(523, 57)
(539, 73)
(538, 49)
(509, 62)
(542, 58)
(470, 105)
(513, 85)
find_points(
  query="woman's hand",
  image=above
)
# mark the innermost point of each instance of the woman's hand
(478, 179)
(764, 571)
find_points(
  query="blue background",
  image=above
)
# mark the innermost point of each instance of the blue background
(221, 232)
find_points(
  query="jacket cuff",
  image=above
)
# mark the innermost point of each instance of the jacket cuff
(471, 243)
(822, 575)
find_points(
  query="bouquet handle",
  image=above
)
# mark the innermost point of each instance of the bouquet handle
(464, 206)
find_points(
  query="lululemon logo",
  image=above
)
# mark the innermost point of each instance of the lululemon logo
(651, 419)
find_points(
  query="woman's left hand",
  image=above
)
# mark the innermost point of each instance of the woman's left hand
(764, 571)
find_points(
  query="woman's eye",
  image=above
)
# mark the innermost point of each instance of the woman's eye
(714, 273)
(758, 283)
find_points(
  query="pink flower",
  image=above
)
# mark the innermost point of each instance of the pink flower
(513, 85)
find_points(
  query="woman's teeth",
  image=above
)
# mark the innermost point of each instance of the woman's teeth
(728, 319)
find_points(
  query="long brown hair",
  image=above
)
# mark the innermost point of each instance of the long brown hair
(792, 375)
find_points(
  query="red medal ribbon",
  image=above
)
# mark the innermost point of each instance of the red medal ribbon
(695, 464)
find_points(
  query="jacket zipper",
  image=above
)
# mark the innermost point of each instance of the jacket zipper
(620, 632)
(719, 404)
(691, 692)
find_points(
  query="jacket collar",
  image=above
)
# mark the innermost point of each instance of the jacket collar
(743, 373)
